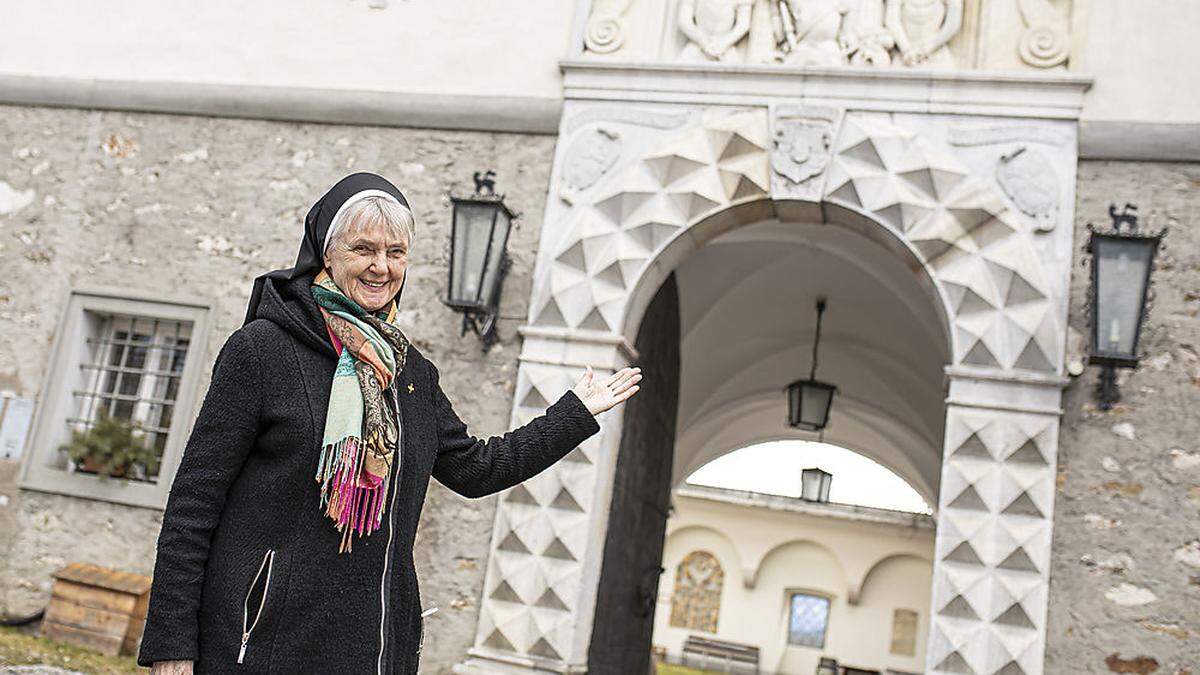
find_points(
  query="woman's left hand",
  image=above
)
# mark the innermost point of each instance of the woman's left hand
(602, 395)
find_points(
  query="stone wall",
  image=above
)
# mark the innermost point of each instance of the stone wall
(197, 207)
(1125, 581)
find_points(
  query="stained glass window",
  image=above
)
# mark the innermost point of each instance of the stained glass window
(696, 601)
(808, 620)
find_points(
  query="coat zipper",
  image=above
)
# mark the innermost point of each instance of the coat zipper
(268, 562)
(390, 509)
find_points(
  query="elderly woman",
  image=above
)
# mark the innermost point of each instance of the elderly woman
(286, 544)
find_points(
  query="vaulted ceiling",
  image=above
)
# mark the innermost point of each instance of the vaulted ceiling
(747, 309)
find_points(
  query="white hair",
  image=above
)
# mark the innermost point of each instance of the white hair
(378, 208)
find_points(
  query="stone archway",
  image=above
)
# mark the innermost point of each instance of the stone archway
(637, 188)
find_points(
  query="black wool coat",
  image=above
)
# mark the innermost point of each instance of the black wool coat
(246, 556)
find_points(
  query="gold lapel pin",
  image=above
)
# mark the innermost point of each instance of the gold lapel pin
(410, 387)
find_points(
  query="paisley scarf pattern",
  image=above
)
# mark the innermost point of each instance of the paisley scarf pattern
(361, 435)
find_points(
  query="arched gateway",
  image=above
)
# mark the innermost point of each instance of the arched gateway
(638, 187)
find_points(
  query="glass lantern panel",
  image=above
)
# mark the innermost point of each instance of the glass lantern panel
(1121, 267)
(499, 236)
(814, 405)
(472, 232)
(810, 485)
(814, 485)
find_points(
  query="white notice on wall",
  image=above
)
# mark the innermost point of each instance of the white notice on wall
(14, 426)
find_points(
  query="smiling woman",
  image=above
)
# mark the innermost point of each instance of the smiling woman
(366, 250)
(286, 543)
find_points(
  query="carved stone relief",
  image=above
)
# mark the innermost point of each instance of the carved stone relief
(719, 159)
(993, 544)
(643, 118)
(1028, 179)
(819, 33)
(713, 28)
(822, 32)
(923, 28)
(865, 38)
(803, 137)
(978, 249)
(1006, 133)
(810, 31)
(1046, 41)
(540, 538)
(605, 30)
(588, 157)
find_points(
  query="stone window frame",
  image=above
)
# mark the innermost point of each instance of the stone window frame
(39, 469)
(788, 595)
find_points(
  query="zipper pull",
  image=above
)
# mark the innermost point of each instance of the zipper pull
(242, 651)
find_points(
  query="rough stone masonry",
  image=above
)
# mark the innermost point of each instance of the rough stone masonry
(1125, 575)
(198, 206)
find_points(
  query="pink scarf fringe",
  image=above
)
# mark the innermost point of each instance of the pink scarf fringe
(353, 506)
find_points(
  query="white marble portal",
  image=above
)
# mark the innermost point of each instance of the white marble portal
(977, 204)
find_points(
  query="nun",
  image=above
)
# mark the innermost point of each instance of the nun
(287, 540)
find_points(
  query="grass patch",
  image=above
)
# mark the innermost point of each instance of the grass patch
(22, 646)
(674, 669)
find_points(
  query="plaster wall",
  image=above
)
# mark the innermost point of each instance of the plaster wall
(1125, 570)
(432, 47)
(768, 553)
(1136, 51)
(197, 208)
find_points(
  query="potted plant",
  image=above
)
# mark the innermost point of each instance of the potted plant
(111, 447)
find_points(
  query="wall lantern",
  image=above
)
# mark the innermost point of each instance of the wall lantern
(1122, 260)
(478, 259)
(809, 400)
(814, 485)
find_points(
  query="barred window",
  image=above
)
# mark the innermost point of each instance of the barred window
(132, 373)
(696, 601)
(133, 360)
(808, 619)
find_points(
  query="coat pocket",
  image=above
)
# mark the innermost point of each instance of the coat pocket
(262, 579)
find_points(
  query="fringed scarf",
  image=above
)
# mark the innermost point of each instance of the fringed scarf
(361, 435)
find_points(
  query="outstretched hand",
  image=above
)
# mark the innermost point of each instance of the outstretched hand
(601, 395)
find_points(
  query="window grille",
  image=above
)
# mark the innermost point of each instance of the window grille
(808, 620)
(132, 371)
(133, 357)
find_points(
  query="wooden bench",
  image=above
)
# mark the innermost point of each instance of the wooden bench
(97, 608)
(728, 657)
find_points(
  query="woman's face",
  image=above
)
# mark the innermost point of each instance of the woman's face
(368, 264)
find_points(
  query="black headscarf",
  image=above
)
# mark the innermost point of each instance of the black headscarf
(311, 257)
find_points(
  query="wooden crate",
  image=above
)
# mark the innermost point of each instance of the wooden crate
(97, 608)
